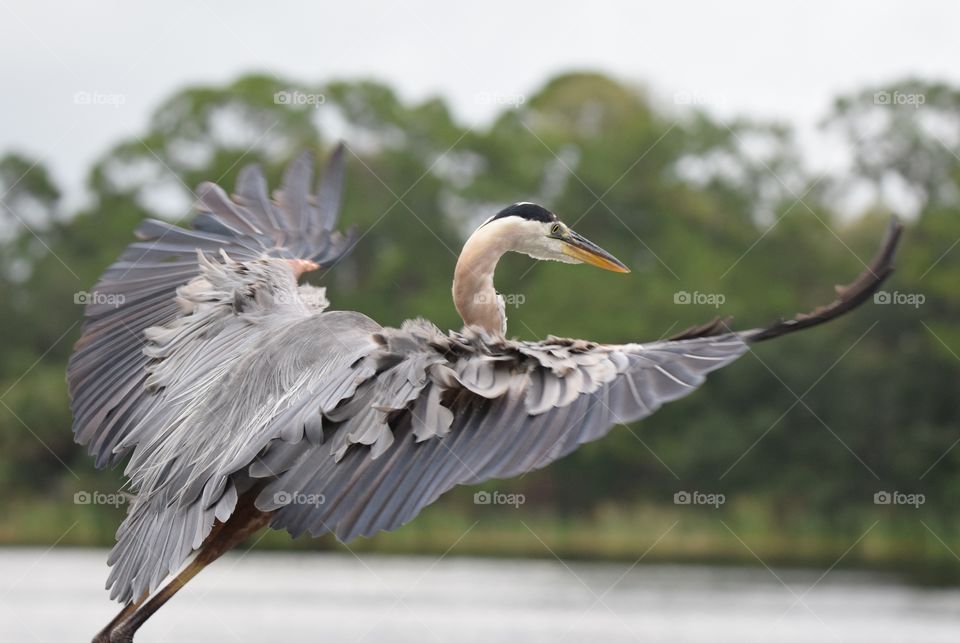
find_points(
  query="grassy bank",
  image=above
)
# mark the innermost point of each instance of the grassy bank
(744, 533)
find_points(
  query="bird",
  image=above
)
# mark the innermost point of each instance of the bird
(239, 399)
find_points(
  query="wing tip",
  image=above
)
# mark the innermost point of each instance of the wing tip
(849, 297)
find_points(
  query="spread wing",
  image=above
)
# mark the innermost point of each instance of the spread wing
(107, 372)
(432, 411)
(186, 315)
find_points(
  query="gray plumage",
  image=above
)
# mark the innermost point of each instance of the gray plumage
(218, 372)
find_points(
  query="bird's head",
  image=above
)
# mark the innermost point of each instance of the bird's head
(522, 227)
(535, 231)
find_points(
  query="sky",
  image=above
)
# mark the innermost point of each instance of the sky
(783, 61)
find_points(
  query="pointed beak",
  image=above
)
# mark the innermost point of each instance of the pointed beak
(582, 249)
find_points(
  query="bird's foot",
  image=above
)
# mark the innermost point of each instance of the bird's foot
(118, 634)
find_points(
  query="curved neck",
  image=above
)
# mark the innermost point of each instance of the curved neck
(473, 292)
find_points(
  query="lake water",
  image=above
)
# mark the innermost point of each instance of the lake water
(263, 596)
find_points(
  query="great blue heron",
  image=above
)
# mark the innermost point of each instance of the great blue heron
(241, 401)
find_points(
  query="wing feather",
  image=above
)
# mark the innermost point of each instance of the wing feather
(178, 312)
(550, 398)
(139, 290)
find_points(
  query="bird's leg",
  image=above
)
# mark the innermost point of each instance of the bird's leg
(104, 635)
(246, 520)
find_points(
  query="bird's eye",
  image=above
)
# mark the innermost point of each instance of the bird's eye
(556, 228)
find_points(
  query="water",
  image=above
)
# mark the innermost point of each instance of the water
(264, 596)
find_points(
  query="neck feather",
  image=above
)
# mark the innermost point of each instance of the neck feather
(473, 292)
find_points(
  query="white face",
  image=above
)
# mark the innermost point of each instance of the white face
(532, 238)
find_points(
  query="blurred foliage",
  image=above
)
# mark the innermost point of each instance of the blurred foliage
(799, 435)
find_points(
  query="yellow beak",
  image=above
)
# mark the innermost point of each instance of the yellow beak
(584, 250)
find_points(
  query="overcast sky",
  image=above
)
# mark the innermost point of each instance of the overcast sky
(781, 60)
